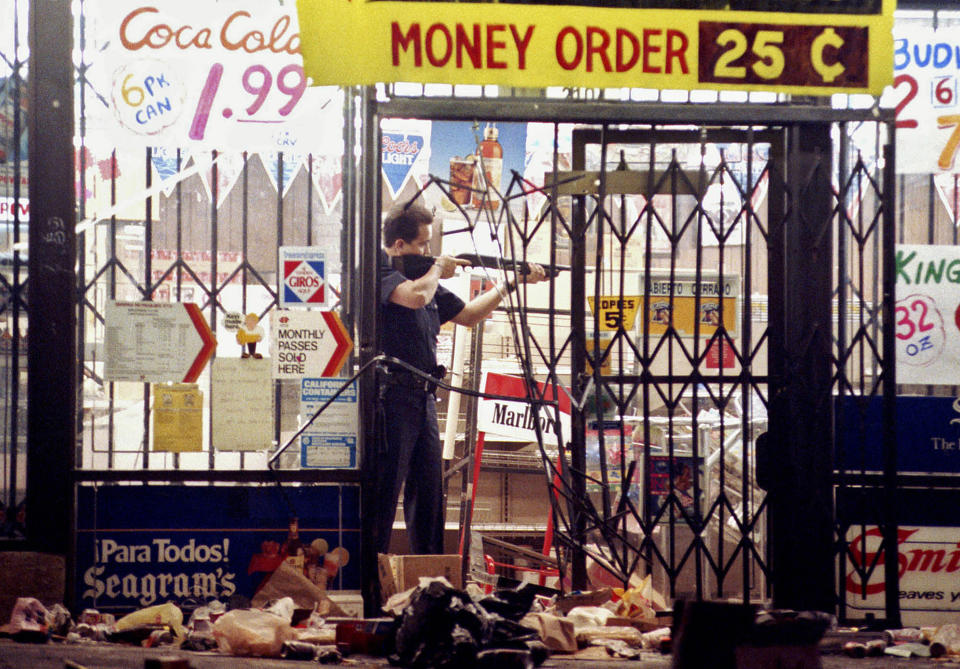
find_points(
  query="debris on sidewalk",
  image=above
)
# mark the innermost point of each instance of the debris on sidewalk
(28, 621)
(435, 624)
(256, 632)
(445, 627)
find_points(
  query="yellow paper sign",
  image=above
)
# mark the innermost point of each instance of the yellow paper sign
(616, 310)
(691, 307)
(177, 418)
(603, 343)
(362, 42)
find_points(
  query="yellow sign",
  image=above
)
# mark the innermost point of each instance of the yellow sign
(603, 344)
(687, 305)
(616, 311)
(177, 418)
(362, 42)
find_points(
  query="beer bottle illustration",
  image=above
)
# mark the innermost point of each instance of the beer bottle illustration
(489, 169)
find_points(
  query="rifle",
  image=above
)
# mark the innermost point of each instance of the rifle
(414, 266)
(517, 266)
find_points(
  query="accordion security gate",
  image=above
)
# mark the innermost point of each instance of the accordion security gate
(728, 279)
(836, 213)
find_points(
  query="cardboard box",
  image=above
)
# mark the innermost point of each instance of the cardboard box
(402, 572)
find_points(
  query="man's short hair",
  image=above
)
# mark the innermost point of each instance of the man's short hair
(403, 222)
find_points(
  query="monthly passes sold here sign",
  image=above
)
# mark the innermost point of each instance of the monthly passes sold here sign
(309, 343)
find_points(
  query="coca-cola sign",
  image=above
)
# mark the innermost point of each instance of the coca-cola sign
(148, 28)
(188, 74)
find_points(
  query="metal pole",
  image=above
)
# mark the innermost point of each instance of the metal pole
(369, 228)
(890, 534)
(52, 381)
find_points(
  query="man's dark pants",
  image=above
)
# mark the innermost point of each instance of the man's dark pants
(409, 451)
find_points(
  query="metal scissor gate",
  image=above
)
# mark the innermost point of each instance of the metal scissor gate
(730, 269)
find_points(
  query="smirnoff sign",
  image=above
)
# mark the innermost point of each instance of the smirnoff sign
(518, 419)
(928, 560)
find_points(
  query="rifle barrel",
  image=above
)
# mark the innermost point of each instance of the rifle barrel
(514, 265)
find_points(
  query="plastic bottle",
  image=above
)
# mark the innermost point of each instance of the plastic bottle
(490, 162)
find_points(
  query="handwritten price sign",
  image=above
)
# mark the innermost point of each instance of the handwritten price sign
(924, 95)
(258, 81)
(920, 332)
(208, 75)
(927, 314)
(147, 96)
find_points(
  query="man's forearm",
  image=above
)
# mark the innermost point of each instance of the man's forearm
(483, 305)
(417, 293)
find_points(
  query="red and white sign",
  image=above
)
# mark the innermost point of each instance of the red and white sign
(308, 343)
(304, 276)
(518, 419)
(929, 566)
(714, 359)
(9, 207)
(156, 342)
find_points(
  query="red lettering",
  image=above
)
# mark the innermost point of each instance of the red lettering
(864, 562)
(400, 41)
(127, 43)
(926, 560)
(448, 44)
(250, 42)
(472, 49)
(276, 34)
(578, 43)
(184, 37)
(954, 563)
(622, 37)
(522, 44)
(599, 49)
(678, 52)
(649, 49)
(493, 45)
(304, 281)
(159, 35)
(254, 40)
(403, 146)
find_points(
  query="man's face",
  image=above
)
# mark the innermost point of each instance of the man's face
(419, 246)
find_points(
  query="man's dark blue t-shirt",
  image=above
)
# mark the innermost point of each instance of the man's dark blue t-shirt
(411, 334)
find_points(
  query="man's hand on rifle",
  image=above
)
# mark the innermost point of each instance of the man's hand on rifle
(534, 274)
(448, 265)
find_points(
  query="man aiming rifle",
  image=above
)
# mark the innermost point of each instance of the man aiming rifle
(413, 306)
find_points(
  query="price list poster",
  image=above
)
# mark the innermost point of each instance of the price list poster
(927, 314)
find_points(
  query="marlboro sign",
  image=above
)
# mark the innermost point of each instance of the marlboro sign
(519, 420)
